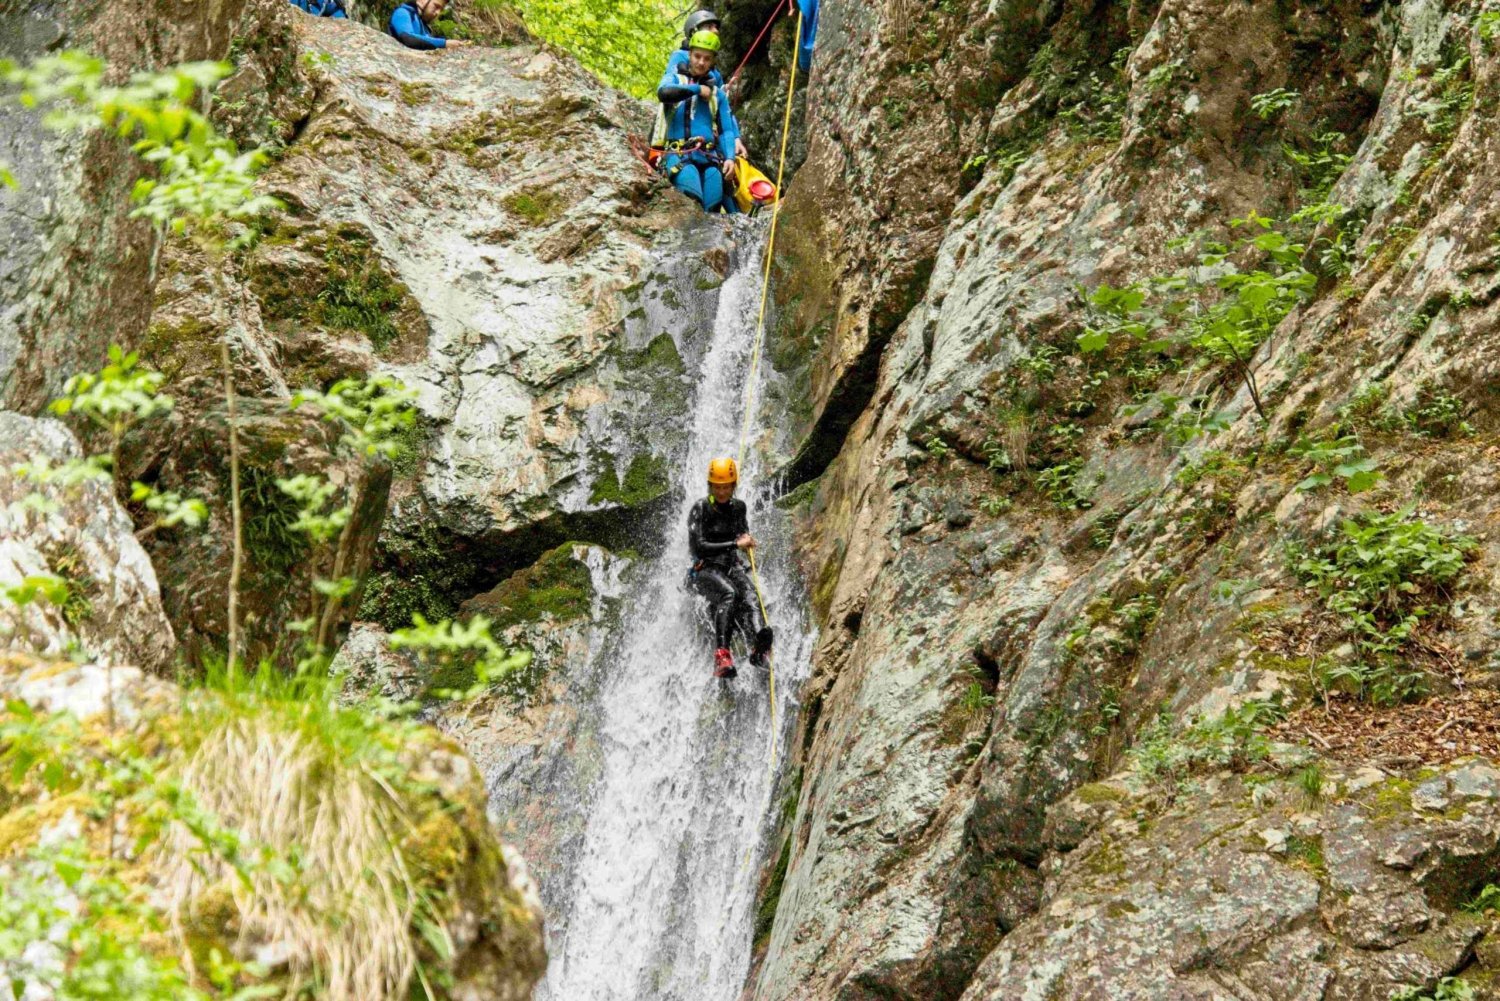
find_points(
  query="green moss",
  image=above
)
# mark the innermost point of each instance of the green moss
(1096, 793)
(556, 586)
(828, 581)
(413, 94)
(1307, 852)
(1391, 799)
(1107, 860)
(537, 206)
(765, 909)
(645, 480)
(356, 293)
(661, 355)
(1120, 908)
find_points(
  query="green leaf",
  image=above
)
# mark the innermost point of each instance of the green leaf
(1092, 340)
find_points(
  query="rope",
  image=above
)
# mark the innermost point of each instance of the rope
(760, 331)
(758, 39)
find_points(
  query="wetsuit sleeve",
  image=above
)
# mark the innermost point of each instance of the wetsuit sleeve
(743, 528)
(412, 33)
(672, 88)
(700, 547)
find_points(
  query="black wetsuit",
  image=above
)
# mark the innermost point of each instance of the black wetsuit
(718, 575)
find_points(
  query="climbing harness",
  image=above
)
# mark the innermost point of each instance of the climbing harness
(760, 330)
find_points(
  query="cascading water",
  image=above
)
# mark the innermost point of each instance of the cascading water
(661, 901)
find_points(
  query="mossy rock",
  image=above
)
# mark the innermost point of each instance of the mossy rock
(538, 206)
(645, 480)
(338, 280)
(557, 586)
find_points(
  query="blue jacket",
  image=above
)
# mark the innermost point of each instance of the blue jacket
(688, 114)
(408, 28)
(677, 62)
(321, 8)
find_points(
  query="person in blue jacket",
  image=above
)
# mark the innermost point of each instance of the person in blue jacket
(703, 20)
(411, 25)
(697, 128)
(322, 8)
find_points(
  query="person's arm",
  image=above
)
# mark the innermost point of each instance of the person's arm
(729, 128)
(697, 544)
(412, 33)
(674, 87)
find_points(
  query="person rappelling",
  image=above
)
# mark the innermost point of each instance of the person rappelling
(695, 128)
(718, 531)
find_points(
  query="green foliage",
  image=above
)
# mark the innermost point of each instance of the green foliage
(975, 701)
(200, 176)
(358, 295)
(1437, 414)
(460, 650)
(1060, 485)
(1272, 103)
(1310, 781)
(937, 448)
(117, 396)
(1233, 740)
(1336, 456)
(1319, 165)
(1447, 989)
(71, 923)
(170, 507)
(1487, 899)
(115, 399)
(1488, 25)
(1380, 575)
(312, 494)
(624, 42)
(374, 413)
(1220, 310)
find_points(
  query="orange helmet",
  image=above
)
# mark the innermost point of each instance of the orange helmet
(723, 471)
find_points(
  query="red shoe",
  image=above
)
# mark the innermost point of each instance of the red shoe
(723, 663)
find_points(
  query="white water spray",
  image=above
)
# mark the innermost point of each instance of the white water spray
(662, 901)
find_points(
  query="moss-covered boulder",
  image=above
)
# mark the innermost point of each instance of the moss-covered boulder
(348, 855)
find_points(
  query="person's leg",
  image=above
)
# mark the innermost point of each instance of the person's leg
(720, 594)
(713, 189)
(748, 616)
(686, 178)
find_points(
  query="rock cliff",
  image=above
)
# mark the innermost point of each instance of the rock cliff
(1049, 536)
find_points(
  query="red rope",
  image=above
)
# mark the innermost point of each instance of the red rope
(790, 5)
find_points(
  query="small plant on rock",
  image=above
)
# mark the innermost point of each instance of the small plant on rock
(1381, 575)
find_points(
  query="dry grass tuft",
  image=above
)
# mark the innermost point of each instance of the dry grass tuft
(342, 913)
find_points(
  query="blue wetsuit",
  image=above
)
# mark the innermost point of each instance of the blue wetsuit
(690, 116)
(408, 28)
(321, 8)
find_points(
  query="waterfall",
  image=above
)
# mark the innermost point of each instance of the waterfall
(662, 899)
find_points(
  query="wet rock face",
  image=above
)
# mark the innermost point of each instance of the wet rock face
(473, 224)
(992, 639)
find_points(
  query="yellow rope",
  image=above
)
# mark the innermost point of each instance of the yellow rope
(760, 330)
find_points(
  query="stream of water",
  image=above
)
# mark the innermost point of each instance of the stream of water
(663, 897)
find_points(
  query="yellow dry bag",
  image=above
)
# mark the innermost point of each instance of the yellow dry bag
(752, 188)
